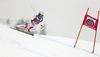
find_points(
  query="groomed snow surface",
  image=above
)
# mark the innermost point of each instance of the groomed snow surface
(17, 44)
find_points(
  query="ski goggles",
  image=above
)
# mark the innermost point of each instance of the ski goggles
(41, 15)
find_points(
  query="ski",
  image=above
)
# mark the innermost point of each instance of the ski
(22, 31)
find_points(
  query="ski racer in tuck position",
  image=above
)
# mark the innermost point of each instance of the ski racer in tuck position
(32, 25)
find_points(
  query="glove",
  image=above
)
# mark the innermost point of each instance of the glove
(41, 27)
(33, 22)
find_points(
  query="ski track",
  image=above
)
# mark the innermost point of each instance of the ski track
(43, 37)
(46, 38)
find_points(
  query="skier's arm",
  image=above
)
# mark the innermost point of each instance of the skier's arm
(33, 18)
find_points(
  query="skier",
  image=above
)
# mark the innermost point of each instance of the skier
(32, 25)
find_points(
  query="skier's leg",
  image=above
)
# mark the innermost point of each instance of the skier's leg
(22, 26)
(32, 29)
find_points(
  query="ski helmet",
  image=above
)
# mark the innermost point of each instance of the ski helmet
(41, 14)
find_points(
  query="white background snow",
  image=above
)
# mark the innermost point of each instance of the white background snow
(62, 17)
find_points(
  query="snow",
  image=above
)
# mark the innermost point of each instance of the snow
(17, 44)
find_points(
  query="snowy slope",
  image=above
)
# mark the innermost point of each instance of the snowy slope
(18, 44)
